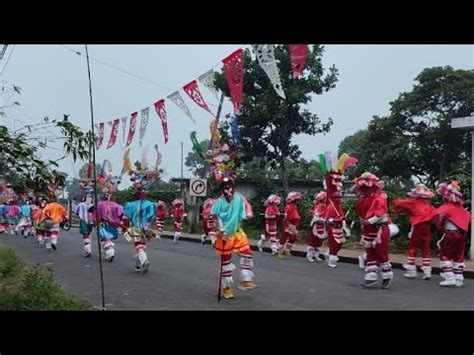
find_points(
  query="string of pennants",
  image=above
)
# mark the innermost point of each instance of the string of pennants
(233, 69)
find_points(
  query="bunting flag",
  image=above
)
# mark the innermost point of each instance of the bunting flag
(215, 136)
(113, 133)
(178, 101)
(192, 89)
(298, 53)
(100, 129)
(143, 123)
(266, 58)
(124, 126)
(161, 112)
(131, 130)
(234, 72)
(207, 79)
(234, 128)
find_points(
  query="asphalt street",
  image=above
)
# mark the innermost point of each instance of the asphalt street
(184, 276)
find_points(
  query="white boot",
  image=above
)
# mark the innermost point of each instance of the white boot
(261, 243)
(332, 261)
(450, 280)
(87, 250)
(311, 254)
(411, 271)
(426, 272)
(144, 263)
(213, 238)
(362, 262)
(203, 239)
(459, 280)
(110, 254)
(176, 237)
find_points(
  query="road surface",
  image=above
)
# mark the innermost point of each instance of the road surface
(184, 276)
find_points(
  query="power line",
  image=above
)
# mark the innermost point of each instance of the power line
(8, 59)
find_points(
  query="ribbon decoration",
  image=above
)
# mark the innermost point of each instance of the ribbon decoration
(207, 79)
(101, 130)
(131, 130)
(215, 136)
(298, 53)
(113, 133)
(196, 146)
(234, 128)
(178, 101)
(192, 89)
(266, 58)
(161, 112)
(234, 72)
(158, 157)
(145, 113)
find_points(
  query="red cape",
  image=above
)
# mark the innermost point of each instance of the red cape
(291, 215)
(374, 205)
(272, 210)
(456, 214)
(417, 210)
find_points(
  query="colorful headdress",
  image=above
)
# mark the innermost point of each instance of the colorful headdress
(107, 181)
(208, 203)
(319, 197)
(222, 163)
(293, 196)
(367, 180)
(161, 204)
(421, 191)
(140, 176)
(273, 199)
(451, 192)
(177, 201)
(327, 163)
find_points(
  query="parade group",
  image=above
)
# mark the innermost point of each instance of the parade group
(222, 217)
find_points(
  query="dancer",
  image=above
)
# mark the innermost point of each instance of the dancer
(85, 222)
(161, 215)
(55, 214)
(177, 213)
(318, 228)
(208, 222)
(291, 223)
(271, 224)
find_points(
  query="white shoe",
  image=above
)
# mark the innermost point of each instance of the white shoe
(310, 259)
(410, 274)
(459, 283)
(318, 257)
(448, 283)
(260, 245)
(332, 265)
(362, 262)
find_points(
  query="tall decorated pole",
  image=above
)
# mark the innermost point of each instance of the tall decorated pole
(95, 183)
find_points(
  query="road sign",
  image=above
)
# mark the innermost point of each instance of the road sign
(198, 187)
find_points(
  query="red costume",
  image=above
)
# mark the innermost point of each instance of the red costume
(421, 213)
(318, 228)
(209, 222)
(161, 215)
(371, 207)
(178, 214)
(271, 224)
(291, 223)
(453, 221)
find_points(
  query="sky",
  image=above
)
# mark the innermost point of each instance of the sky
(54, 82)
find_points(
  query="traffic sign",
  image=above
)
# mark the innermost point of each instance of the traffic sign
(198, 187)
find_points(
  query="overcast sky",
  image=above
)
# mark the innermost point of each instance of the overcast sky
(54, 82)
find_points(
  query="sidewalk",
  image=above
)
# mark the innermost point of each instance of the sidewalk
(345, 256)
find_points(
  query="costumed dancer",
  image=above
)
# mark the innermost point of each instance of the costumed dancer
(55, 214)
(13, 216)
(421, 213)
(109, 212)
(230, 209)
(38, 217)
(24, 227)
(177, 213)
(208, 222)
(271, 224)
(291, 224)
(334, 216)
(453, 221)
(3, 216)
(161, 215)
(318, 228)
(371, 207)
(140, 213)
(85, 222)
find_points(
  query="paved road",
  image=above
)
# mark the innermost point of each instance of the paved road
(185, 277)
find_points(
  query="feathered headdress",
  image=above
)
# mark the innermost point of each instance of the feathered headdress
(106, 180)
(451, 192)
(327, 163)
(140, 176)
(222, 163)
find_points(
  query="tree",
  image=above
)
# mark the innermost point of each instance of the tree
(194, 161)
(416, 140)
(268, 123)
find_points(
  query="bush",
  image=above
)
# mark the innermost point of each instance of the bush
(10, 263)
(32, 289)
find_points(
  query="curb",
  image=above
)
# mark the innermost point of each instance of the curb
(345, 259)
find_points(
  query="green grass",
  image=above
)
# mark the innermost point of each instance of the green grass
(33, 288)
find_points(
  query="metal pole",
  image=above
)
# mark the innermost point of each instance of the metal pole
(95, 185)
(471, 251)
(182, 182)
